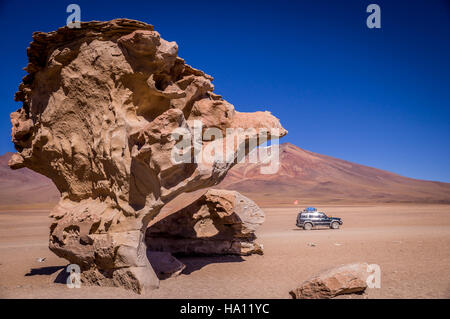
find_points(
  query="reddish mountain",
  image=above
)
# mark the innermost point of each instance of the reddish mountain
(304, 176)
(24, 186)
(309, 178)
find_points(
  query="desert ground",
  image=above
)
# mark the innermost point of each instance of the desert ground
(409, 242)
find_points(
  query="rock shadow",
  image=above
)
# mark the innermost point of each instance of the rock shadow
(44, 270)
(61, 277)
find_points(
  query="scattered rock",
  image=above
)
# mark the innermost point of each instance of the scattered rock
(345, 279)
(312, 244)
(99, 105)
(220, 222)
(40, 259)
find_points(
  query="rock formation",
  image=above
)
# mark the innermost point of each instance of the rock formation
(99, 106)
(220, 222)
(345, 279)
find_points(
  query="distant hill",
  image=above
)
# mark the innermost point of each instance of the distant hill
(303, 175)
(310, 177)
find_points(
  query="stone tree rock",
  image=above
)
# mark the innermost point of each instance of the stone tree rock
(220, 222)
(345, 279)
(99, 106)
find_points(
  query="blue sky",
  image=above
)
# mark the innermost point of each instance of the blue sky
(379, 97)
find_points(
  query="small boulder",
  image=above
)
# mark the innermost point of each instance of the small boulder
(345, 279)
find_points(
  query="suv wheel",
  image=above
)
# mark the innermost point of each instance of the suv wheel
(307, 226)
(335, 225)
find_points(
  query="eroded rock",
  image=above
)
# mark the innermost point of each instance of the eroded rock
(100, 104)
(220, 222)
(345, 279)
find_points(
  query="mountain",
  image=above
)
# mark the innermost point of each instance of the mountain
(313, 178)
(24, 186)
(305, 176)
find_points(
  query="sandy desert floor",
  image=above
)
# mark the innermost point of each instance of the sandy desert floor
(411, 243)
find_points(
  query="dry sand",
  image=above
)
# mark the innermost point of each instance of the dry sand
(410, 243)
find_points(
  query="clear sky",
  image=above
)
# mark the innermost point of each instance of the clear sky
(379, 97)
